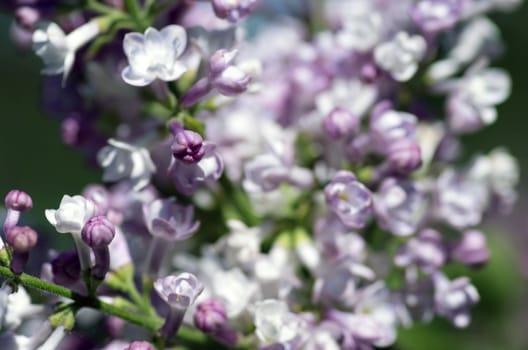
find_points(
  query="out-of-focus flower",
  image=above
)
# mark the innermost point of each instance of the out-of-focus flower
(233, 10)
(170, 221)
(275, 323)
(401, 56)
(57, 49)
(454, 298)
(434, 16)
(122, 161)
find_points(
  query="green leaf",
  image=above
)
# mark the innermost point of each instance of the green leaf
(120, 279)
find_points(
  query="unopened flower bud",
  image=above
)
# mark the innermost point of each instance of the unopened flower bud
(472, 249)
(187, 145)
(98, 232)
(22, 238)
(210, 316)
(18, 200)
(27, 17)
(404, 156)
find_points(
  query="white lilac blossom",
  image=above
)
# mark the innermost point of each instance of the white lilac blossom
(154, 55)
(361, 31)
(434, 16)
(275, 323)
(70, 217)
(57, 49)
(401, 56)
(122, 161)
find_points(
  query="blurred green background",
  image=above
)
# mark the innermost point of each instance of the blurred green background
(33, 159)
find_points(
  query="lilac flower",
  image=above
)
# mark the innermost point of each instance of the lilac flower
(388, 126)
(425, 250)
(400, 206)
(224, 77)
(454, 298)
(404, 156)
(170, 221)
(472, 249)
(233, 10)
(21, 239)
(275, 323)
(16, 202)
(401, 56)
(70, 217)
(349, 199)
(122, 161)
(57, 49)
(211, 318)
(154, 55)
(98, 233)
(434, 16)
(140, 345)
(460, 199)
(167, 222)
(179, 292)
(187, 177)
(361, 31)
(340, 123)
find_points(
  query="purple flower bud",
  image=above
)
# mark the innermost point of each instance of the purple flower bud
(404, 156)
(235, 10)
(349, 199)
(18, 200)
(66, 268)
(22, 238)
(140, 345)
(454, 298)
(433, 16)
(472, 249)
(341, 122)
(187, 145)
(220, 61)
(210, 316)
(201, 88)
(98, 232)
(400, 206)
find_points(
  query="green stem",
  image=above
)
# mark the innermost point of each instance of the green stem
(135, 12)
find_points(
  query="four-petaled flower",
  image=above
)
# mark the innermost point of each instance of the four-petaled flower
(154, 55)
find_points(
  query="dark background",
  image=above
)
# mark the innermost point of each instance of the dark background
(33, 158)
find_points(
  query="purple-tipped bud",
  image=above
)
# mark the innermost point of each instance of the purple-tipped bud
(472, 249)
(18, 200)
(187, 145)
(404, 156)
(340, 123)
(140, 345)
(210, 316)
(66, 268)
(98, 232)
(22, 238)
(220, 60)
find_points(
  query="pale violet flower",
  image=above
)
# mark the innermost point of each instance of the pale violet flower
(401, 56)
(15, 307)
(154, 55)
(57, 49)
(122, 161)
(275, 323)
(70, 217)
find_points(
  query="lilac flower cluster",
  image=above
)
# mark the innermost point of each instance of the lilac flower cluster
(290, 186)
